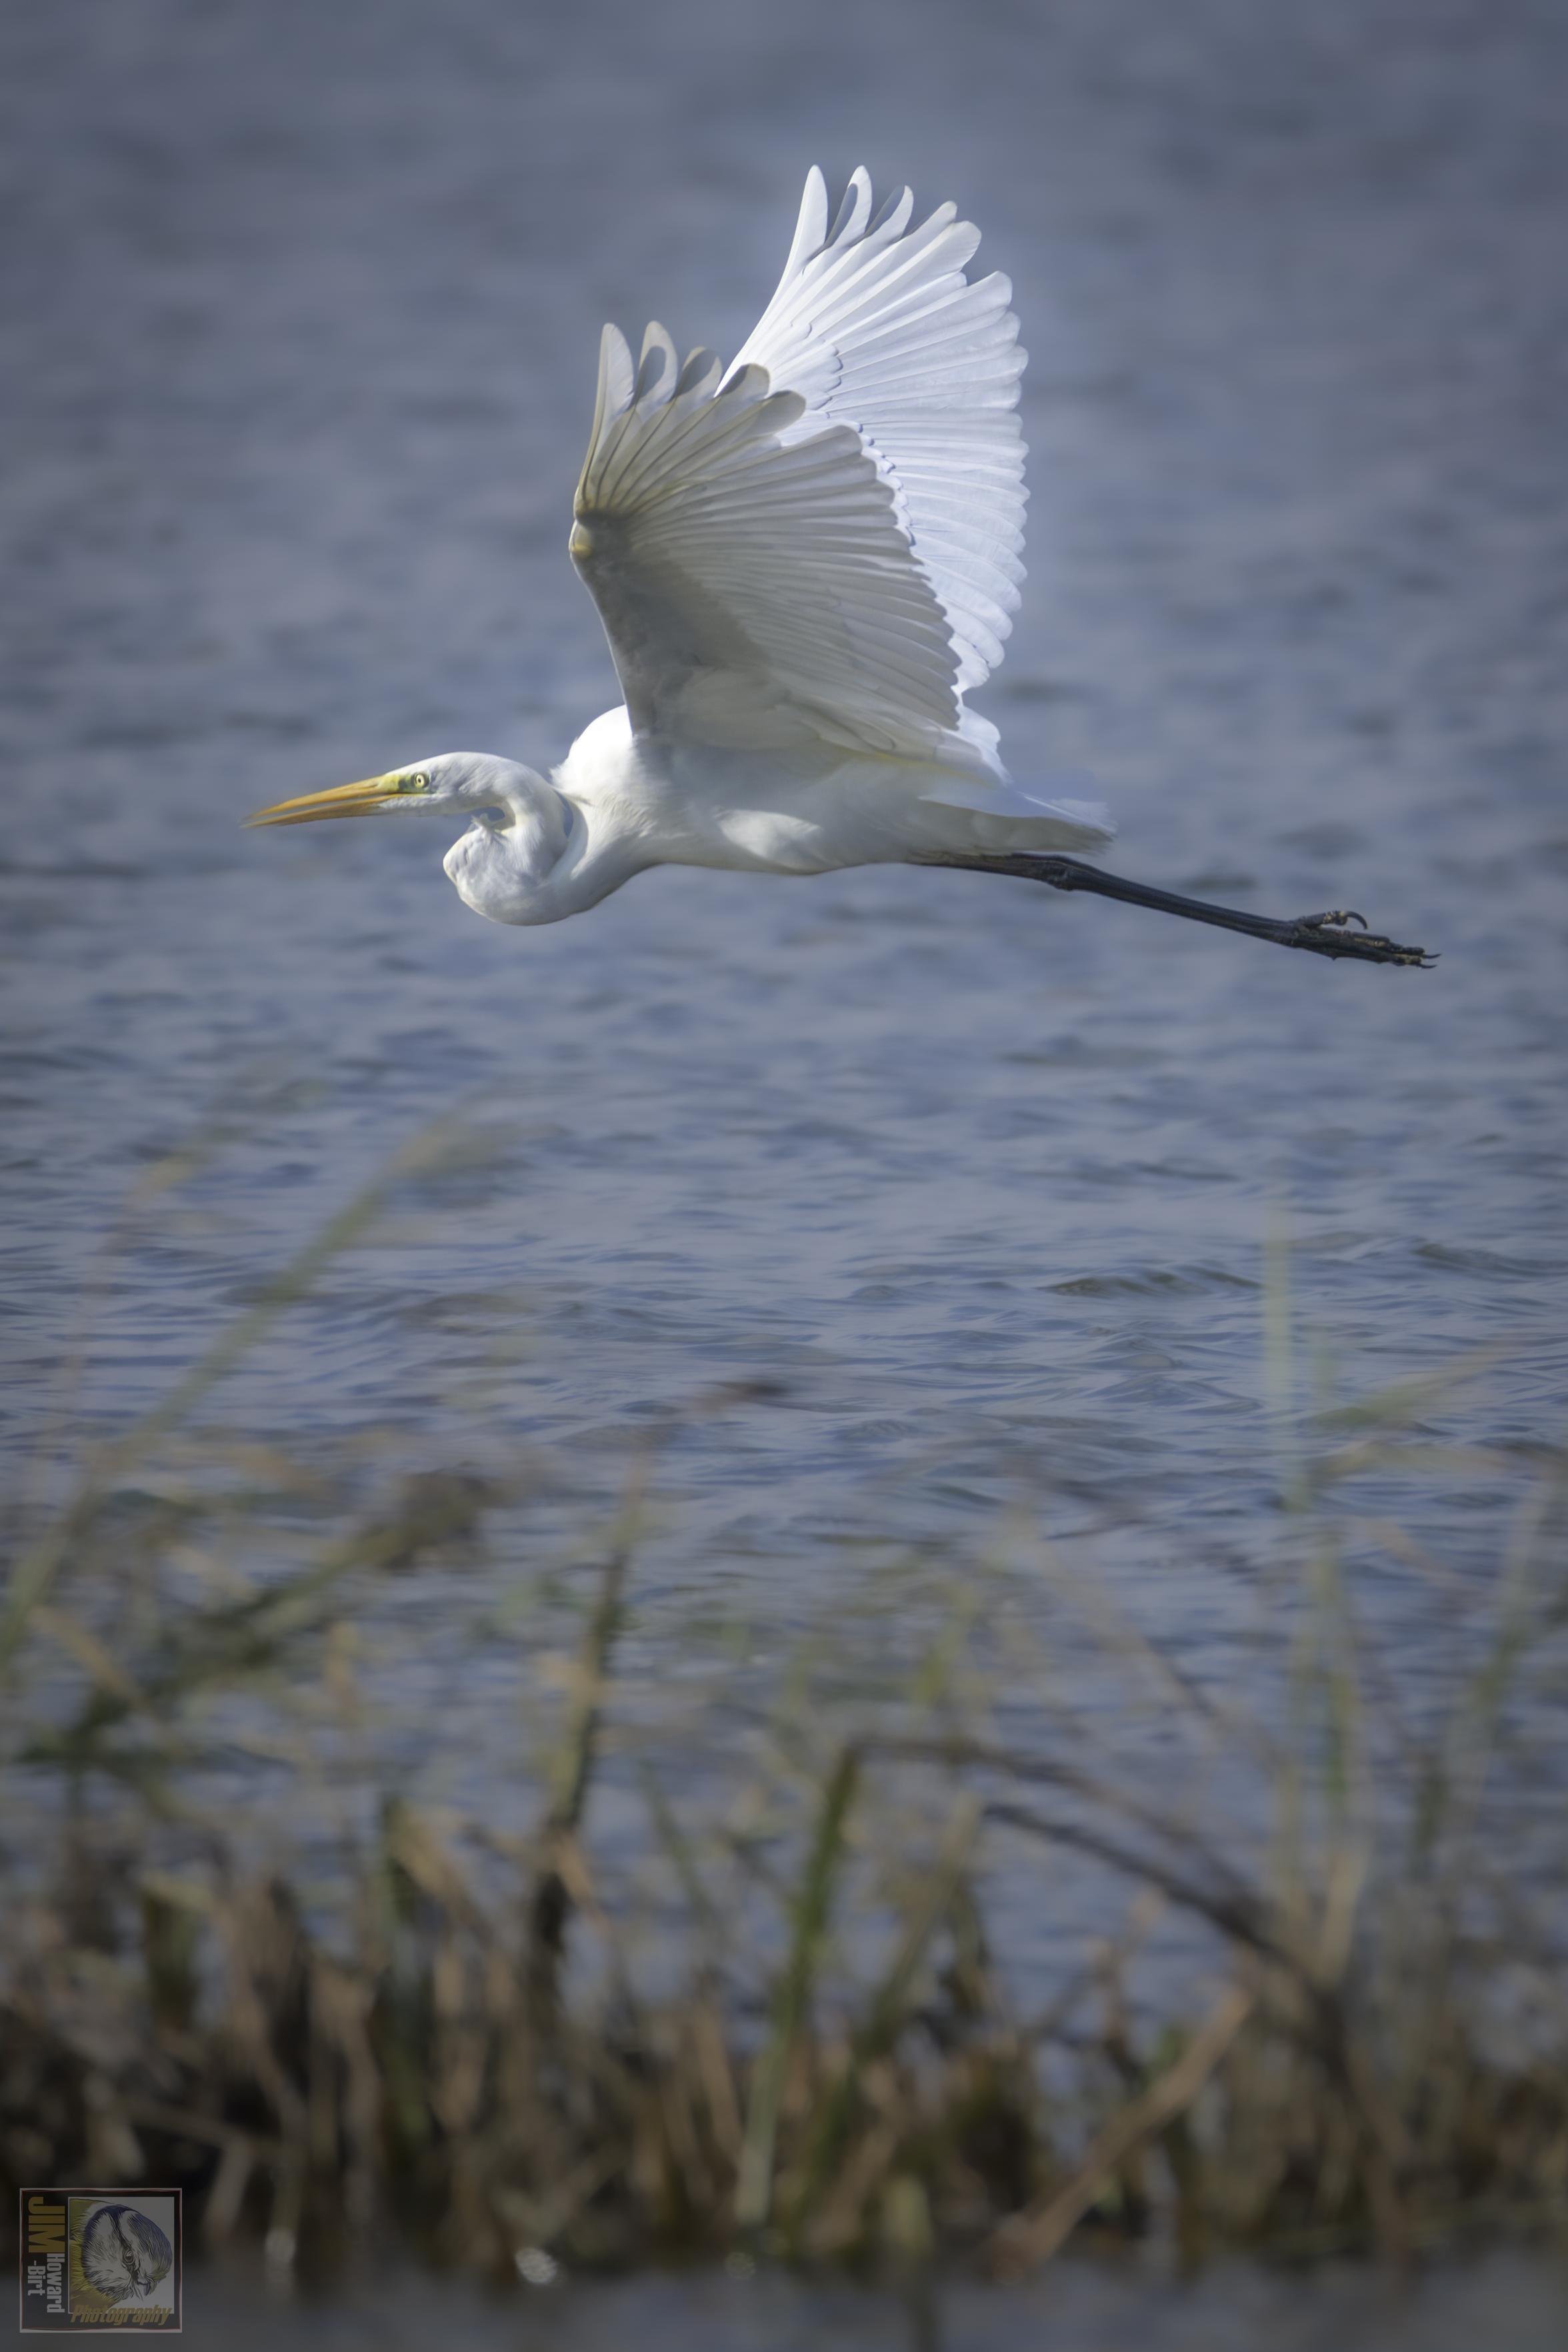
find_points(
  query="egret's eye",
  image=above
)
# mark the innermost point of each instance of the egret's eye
(418, 783)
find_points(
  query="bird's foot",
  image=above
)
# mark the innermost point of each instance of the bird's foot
(1329, 934)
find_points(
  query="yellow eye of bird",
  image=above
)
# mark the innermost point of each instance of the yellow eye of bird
(418, 783)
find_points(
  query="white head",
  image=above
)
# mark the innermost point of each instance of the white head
(520, 831)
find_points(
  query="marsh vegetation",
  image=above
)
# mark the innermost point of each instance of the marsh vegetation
(731, 1966)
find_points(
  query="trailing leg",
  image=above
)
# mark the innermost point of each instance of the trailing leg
(1328, 934)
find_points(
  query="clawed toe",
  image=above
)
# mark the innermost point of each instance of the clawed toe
(1329, 934)
(1324, 935)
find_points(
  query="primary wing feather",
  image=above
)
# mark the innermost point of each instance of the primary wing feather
(826, 538)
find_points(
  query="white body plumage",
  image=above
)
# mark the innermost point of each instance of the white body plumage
(619, 802)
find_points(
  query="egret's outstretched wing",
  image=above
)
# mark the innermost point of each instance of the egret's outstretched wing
(826, 538)
(875, 325)
(754, 579)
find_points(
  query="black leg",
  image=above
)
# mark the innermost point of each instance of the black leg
(1327, 934)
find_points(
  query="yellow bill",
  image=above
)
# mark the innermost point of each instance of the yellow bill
(339, 800)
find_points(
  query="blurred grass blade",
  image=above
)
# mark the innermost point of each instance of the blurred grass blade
(1031, 2238)
(813, 1905)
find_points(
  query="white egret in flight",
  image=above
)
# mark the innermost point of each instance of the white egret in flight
(803, 563)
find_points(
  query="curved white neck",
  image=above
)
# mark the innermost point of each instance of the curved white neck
(539, 862)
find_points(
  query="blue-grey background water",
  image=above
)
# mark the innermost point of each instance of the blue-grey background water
(302, 311)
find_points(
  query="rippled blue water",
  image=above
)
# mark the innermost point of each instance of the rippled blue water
(306, 305)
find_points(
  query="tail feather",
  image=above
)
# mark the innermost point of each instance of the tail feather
(996, 814)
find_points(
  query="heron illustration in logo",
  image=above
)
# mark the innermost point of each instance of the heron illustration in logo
(124, 2254)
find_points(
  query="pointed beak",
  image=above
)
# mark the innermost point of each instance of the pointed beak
(341, 800)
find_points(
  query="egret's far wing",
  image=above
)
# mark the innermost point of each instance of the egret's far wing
(755, 581)
(876, 326)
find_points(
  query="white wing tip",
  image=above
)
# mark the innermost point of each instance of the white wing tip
(812, 226)
(658, 367)
(617, 378)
